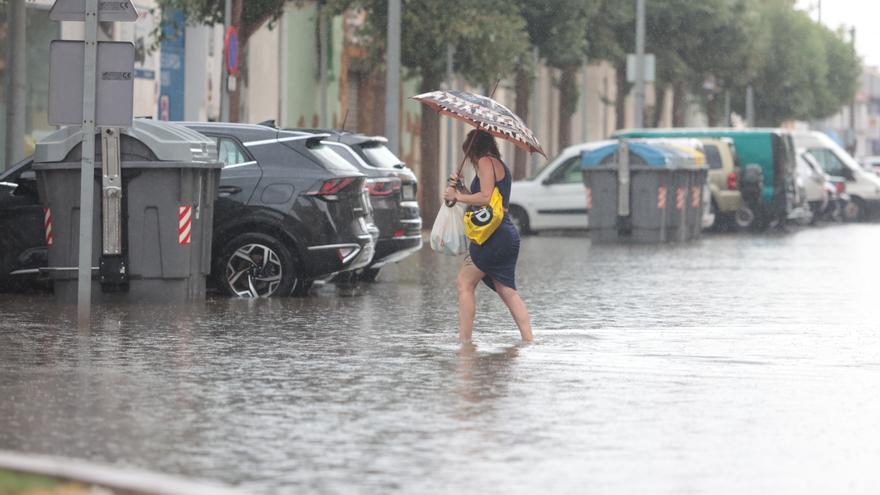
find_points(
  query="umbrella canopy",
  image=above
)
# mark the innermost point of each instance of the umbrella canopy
(483, 113)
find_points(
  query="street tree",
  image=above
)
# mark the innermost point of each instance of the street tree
(558, 29)
(486, 36)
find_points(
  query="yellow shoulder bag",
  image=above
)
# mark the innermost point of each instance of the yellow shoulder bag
(482, 222)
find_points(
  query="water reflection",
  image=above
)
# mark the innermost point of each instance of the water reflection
(737, 364)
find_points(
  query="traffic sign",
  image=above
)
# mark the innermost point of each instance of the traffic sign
(114, 101)
(108, 11)
(230, 47)
(631, 62)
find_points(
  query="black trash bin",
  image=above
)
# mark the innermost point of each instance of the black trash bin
(169, 179)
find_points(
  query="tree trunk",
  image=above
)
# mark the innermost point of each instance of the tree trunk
(679, 104)
(235, 96)
(568, 97)
(660, 105)
(622, 92)
(16, 82)
(429, 151)
(523, 95)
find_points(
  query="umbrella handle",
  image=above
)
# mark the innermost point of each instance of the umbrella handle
(458, 185)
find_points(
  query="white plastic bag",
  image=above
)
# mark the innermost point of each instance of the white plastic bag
(447, 236)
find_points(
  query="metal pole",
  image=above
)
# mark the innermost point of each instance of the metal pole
(87, 172)
(536, 104)
(820, 11)
(750, 106)
(726, 108)
(224, 76)
(638, 122)
(584, 121)
(854, 140)
(16, 82)
(450, 149)
(392, 78)
(322, 64)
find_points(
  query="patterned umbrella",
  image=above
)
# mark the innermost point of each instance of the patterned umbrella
(483, 113)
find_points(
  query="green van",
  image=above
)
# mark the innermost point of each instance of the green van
(772, 149)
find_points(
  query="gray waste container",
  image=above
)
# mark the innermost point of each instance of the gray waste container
(650, 203)
(169, 182)
(665, 195)
(601, 184)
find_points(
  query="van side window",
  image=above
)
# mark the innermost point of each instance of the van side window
(829, 161)
(713, 157)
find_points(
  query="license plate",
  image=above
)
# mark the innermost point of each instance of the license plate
(409, 191)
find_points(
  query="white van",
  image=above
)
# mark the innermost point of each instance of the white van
(862, 186)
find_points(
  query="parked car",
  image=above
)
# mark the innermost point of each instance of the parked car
(722, 162)
(22, 241)
(872, 164)
(772, 150)
(554, 196)
(862, 186)
(392, 187)
(289, 210)
(816, 183)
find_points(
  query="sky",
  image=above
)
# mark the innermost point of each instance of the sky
(863, 14)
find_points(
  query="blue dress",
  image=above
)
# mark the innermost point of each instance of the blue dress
(497, 256)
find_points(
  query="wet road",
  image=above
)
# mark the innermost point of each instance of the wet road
(737, 364)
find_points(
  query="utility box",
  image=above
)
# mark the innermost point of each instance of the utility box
(153, 222)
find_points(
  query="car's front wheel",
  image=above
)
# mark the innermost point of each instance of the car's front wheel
(256, 265)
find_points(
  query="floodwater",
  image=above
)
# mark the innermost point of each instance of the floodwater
(737, 364)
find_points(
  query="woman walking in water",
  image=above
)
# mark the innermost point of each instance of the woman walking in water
(493, 262)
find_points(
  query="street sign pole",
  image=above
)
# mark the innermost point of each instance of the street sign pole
(224, 90)
(638, 122)
(87, 173)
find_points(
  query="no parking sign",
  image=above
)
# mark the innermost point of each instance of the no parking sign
(230, 46)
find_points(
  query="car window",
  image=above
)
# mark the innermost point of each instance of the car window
(381, 157)
(569, 172)
(346, 153)
(331, 160)
(713, 156)
(829, 161)
(229, 152)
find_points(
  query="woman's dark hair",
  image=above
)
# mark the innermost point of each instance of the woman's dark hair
(478, 144)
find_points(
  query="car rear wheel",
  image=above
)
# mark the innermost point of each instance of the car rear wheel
(854, 211)
(520, 219)
(256, 265)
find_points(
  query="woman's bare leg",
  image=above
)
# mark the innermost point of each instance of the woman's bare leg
(517, 309)
(466, 283)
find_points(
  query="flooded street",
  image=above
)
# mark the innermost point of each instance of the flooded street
(737, 364)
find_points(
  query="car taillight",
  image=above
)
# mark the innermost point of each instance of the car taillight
(331, 187)
(731, 181)
(383, 187)
(840, 187)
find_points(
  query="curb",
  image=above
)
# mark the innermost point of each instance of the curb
(126, 480)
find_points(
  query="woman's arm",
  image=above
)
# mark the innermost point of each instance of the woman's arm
(486, 173)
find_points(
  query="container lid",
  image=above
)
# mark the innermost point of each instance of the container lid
(168, 142)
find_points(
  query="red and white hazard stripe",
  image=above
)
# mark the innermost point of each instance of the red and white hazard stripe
(47, 225)
(589, 198)
(696, 196)
(184, 224)
(680, 198)
(661, 197)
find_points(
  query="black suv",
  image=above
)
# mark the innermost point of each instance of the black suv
(392, 188)
(289, 211)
